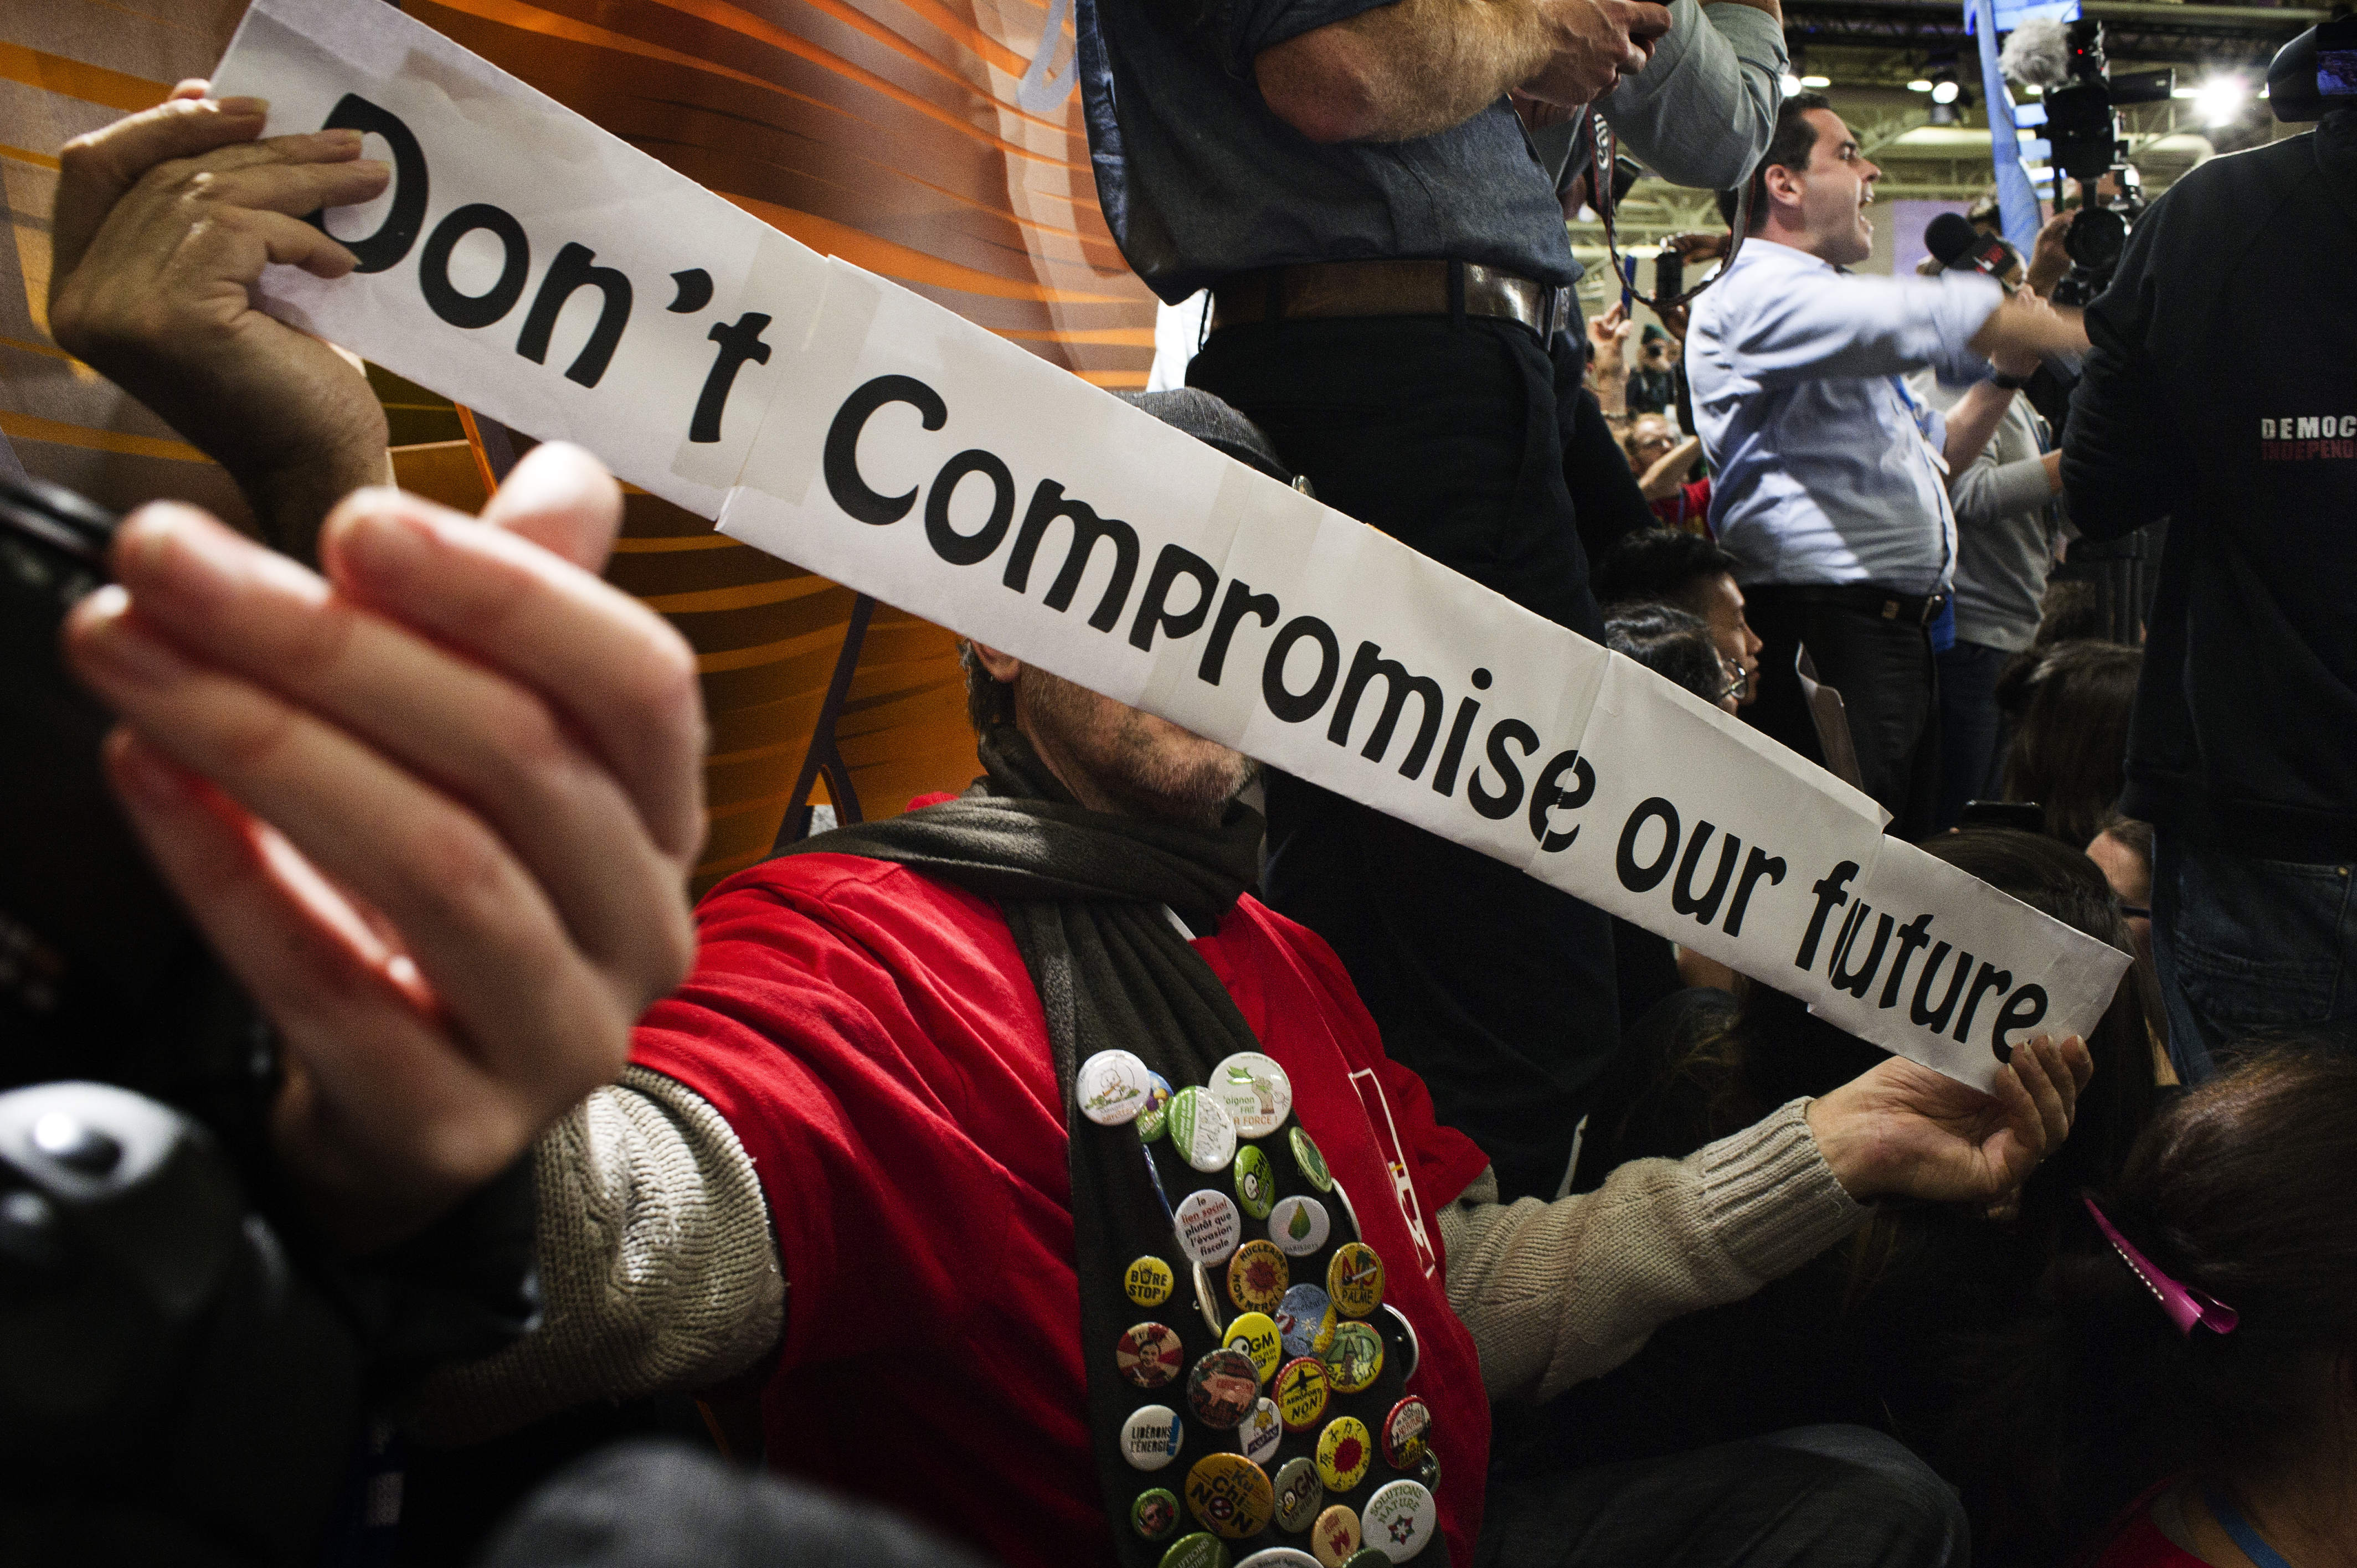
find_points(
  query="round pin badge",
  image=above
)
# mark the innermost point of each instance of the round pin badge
(1257, 1276)
(1255, 1091)
(1230, 1496)
(1222, 1389)
(1400, 1519)
(1150, 1280)
(1155, 1112)
(1335, 1537)
(1152, 1436)
(1208, 1225)
(1408, 1433)
(1355, 1358)
(1312, 1163)
(1299, 1494)
(1201, 1549)
(1299, 1225)
(1255, 1334)
(1344, 1452)
(1279, 1557)
(1349, 1211)
(1201, 1130)
(1407, 1332)
(1256, 1182)
(1305, 1321)
(1150, 1354)
(1354, 1279)
(1111, 1088)
(1207, 1302)
(1155, 1514)
(1258, 1434)
(1369, 1557)
(1302, 1391)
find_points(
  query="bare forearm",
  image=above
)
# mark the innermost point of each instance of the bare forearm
(1408, 69)
(1609, 381)
(1972, 421)
(291, 503)
(1663, 479)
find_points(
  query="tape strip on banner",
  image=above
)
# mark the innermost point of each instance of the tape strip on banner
(528, 265)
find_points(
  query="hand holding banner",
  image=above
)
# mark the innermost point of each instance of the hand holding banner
(537, 269)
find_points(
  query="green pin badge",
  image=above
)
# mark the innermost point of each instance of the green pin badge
(1256, 1182)
(1312, 1163)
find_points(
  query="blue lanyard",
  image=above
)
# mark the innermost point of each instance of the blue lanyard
(2238, 1529)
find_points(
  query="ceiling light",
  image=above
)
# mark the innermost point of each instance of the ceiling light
(1920, 84)
(1816, 81)
(1945, 91)
(1791, 85)
(2223, 99)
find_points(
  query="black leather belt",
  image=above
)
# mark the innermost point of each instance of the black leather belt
(1907, 609)
(1387, 288)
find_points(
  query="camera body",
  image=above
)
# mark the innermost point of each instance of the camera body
(2083, 127)
(102, 975)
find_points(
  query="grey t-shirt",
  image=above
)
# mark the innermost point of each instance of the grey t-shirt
(2008, 521)
(1199, 180)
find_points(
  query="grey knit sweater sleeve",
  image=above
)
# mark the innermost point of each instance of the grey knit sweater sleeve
(658, 1268)
(659, 1271)
(1555, 1293)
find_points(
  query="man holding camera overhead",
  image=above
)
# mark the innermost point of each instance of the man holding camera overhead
(1354, 182)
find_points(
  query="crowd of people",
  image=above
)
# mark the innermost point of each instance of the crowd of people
(1085, 1167)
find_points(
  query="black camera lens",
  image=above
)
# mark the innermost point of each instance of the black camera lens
(1669, 275)
(2096, 239)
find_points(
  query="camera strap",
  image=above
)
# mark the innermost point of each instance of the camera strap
(1604, 150)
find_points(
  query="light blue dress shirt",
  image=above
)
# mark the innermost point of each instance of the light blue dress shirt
(1825, 470)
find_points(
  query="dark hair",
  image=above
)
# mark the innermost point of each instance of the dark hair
(1788, 148)
(2068, 611)
(989, 701)
(2239, 1189)
(1662, 563)
(1790, 1052)
(2071, 708)
(1672, 643)
(2134, 836)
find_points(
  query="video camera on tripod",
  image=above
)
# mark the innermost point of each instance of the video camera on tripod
(2083, 126)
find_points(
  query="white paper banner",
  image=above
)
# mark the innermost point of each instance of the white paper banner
(532, 266)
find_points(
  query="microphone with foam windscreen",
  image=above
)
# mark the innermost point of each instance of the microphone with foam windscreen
(1959, 245)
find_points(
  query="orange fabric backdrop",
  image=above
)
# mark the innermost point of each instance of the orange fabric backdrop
(891, 133)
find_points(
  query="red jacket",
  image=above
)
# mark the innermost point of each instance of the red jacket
(874, 1041)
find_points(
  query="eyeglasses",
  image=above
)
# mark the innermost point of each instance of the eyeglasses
(1738, 680)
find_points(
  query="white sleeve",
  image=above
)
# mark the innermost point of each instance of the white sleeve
(1818, 325)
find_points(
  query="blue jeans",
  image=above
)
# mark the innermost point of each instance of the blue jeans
(2250, 950)
(1972, 731)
